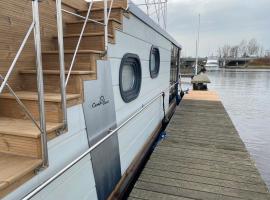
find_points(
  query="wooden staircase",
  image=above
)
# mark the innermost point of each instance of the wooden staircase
(20, 144)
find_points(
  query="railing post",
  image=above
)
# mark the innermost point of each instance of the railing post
(106, 24)
(40, 85)
(61, 60)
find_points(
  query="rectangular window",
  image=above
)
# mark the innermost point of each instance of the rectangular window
(174, 71)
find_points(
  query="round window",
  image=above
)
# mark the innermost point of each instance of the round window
(130, 77)
(154, 62)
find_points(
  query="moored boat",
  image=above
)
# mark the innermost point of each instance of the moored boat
(212, 64)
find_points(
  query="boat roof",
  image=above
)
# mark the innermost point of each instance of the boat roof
(135, 10)
(212, 60)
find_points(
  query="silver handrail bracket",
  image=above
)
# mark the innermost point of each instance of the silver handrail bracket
(106, 25)
(61, 60)
(40, 85)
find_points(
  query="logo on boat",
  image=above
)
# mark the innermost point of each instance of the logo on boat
(102, 102)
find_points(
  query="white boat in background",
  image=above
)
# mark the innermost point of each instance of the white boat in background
(212, 64)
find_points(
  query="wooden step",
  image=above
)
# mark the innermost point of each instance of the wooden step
(51, 79)
(116, 4)
(10, 108)
(93, 41)
(92, 27)
(22, 137)
(15, 170)
(85, 60)
(33, 96)
(98, 13)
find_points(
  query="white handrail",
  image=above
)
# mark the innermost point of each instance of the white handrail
(109, 14)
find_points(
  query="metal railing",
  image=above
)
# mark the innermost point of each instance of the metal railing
(35, 27)
(41, 125)
(110, 133)
(63, 78)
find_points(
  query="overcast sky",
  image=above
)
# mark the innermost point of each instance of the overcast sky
(222, 22)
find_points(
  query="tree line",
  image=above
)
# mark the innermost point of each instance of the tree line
(245, 48)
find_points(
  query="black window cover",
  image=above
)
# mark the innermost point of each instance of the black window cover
(133, 61)
(154, 62)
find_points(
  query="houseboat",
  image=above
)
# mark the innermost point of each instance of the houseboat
(85, 89)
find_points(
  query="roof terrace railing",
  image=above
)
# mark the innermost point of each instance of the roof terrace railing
(63, 78)
(41, 125)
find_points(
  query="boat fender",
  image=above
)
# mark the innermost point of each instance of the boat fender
(182, 94)
(178, 99)
(165, 121)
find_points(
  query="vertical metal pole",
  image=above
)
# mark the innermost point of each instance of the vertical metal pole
(40, 82)
(147, 7)
(61, 60)
(197, 46)
(196, 61)
(106, 24)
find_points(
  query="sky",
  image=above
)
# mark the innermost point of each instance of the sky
(223, 22)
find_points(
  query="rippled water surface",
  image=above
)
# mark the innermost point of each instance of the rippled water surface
(246, 97)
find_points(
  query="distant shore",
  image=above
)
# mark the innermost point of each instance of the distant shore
(260, 63)
(258, 67)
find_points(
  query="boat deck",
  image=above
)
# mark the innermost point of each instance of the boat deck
(202, 157)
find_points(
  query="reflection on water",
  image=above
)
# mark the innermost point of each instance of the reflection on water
(246, 97)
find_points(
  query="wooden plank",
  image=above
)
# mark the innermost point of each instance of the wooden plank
(33, 96)
(10, 108)
(24, 128)
(202, 157)
(15, 168)
(149, 195)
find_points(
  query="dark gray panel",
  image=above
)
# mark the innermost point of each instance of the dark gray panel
(106, 166)
(99, 113)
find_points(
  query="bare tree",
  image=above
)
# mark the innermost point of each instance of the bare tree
(226, 51)
(261, 52)
(219, 52)
(234, 51)
(253, 47)
(243, 48)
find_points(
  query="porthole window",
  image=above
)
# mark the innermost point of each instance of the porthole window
(130, 77)
(154, 62)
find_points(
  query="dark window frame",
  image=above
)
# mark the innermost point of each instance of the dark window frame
(154, 73)
(174, 72)
(133, 93)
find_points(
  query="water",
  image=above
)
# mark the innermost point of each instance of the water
(246, 97)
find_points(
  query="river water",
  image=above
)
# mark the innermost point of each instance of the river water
(246, 97)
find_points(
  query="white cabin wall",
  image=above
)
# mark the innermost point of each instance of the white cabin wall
(138, 38)
(76, 183)
(62, 150)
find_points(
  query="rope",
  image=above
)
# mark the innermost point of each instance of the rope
(163, 103)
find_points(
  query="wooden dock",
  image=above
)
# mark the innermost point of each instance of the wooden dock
(202, 157)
